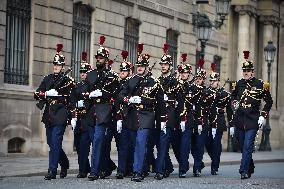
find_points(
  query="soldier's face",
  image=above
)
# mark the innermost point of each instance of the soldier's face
(101, 59)
(123, 74)
(165, 68)
(247, 74)
(141, 70)
(214, 84)
(199, 81)
(57, 68)
(184, 76)
(83, 76)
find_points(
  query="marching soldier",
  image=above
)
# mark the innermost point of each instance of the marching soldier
(127, 136)
(142, 93)
(200, 98)
(221, 101)
(247, 95)
(53, 93)
(102, 85)
(184, 108)
(170, 86)
(83, 119)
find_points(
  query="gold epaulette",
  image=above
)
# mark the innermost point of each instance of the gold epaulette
(266, 86)
(234, 86)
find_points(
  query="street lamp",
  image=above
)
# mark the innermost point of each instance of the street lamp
(269, 54)
(204, 28)
(222, 10)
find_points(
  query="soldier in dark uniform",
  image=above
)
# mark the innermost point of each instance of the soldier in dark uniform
(82, 119)
(169, 84)
(182, 135)
(200, 98)
(142, 93)
(54, 93)
(102, 85)
(247, 95)
(221, 101)
(127, 136)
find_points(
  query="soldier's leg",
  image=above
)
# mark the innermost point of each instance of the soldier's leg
(240, 135)
(185, 146)
(99, 137)
(248, 148)
(199, 147)
(175, 142)
(84, 165)
(140, 150)
(132, 144)
(77, 137)
(58, 155)
(150, 159)
(163, 149)
(123, 153)
(216, 151)
(51, 169)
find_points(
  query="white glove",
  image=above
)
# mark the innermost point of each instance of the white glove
(176, 104)
(182, 126)
(261, 121)
(193, 107)
(199, 129)
(73, 123)
(80, 104)
(166, 98)
(214, 130)
(51, 92)
(119, 126)
(135, 100)
(96, 93)
(232, 131)
(163, 127)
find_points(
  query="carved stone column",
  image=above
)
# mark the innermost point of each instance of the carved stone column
(244, 43)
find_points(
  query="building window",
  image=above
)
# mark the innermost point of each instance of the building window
(217, 60)
(81, 36)
(172, 40)
(15, 145)
(16, 69)
(131, 38)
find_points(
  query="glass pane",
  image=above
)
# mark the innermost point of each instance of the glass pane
(131, 38)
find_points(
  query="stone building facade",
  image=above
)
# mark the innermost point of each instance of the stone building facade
(30, 31)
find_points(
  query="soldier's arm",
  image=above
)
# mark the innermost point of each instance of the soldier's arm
(161, 105)
(122, 96)
(181, 104)
(110, 89)
(41, 89)
(267, 99)
(228, 106)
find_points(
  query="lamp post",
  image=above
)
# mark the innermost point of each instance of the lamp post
(269, 54)
(204, 28)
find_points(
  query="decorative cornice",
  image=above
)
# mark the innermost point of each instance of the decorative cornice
(158, 8)
(270, 20)
(246, 9)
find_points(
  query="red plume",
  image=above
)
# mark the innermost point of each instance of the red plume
(102, 39)
(59, 47)
(184, 57)
(84, 56)
(246, 54)
(201, 62)
(124, 54)
(140, 48)
(166, 48)
(110, 62)
(213, 67)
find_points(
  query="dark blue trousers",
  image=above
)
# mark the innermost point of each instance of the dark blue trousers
(82, 142)
(97, 148)
(152, 142)
(127, 143)
(246, 141)
(197, 149)
(214, 149)
(185, 145)
(175, 142)
(57, 156)
(140, 150)
(162, 161)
